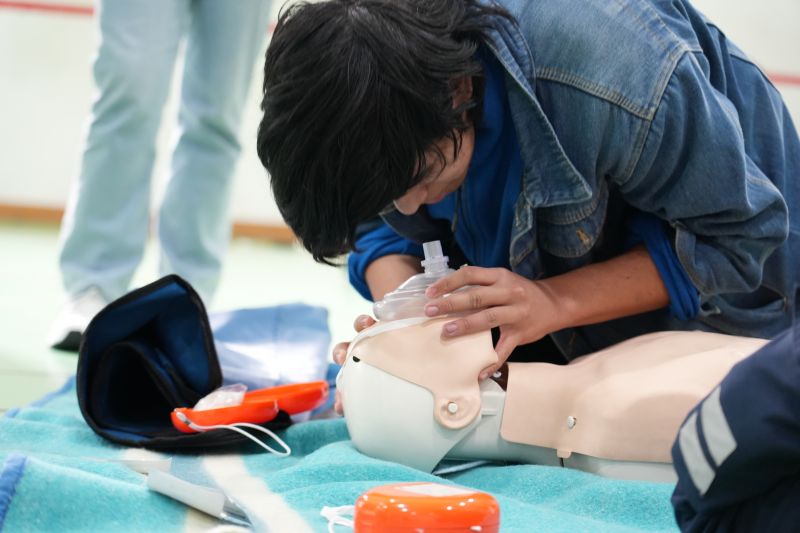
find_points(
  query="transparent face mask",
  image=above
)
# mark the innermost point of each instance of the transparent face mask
(408, 300)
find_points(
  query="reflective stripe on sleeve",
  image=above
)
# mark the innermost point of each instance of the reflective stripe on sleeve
(689, 442)
(716, 430)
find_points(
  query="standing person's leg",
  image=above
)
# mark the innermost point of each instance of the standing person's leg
(194, 229)
(106, 219)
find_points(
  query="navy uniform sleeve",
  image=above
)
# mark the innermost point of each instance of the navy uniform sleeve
(694, 173)
(379, 241)
(737, 455)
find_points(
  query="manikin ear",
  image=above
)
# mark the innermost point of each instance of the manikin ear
(462, 90)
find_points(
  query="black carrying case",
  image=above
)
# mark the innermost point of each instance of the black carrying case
(145, 354)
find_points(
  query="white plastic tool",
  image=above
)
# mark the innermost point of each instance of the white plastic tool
(210, 501)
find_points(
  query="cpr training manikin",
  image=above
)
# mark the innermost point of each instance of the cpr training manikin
(412, 397)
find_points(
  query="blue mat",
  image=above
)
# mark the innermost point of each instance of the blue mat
(57, 475)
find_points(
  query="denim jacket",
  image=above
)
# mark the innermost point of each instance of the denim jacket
(644, 104)
(625, 105)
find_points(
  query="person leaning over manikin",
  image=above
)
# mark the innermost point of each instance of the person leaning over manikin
(597, 191)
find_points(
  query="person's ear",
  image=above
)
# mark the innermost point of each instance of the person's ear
(462, 90)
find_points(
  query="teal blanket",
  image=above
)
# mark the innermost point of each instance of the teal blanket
(57, 475)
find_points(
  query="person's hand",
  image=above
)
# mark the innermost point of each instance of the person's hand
(523, 309)
(340, 352)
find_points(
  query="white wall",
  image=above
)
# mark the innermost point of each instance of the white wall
(46, 91)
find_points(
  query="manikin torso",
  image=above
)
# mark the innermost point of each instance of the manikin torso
(412, 397)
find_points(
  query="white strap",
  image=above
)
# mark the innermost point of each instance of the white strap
(459, 467)
(235, 427)
(338, 516)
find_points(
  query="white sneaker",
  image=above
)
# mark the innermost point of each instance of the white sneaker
(67, 330)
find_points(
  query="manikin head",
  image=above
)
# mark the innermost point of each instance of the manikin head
(409, 395)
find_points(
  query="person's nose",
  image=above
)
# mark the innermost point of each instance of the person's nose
(409, 203)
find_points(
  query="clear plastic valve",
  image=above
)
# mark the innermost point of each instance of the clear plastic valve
(409, 299)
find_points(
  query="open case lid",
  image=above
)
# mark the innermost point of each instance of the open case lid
(144, 355)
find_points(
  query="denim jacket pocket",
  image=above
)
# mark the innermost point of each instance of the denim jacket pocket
(570, 231)
(765, 318)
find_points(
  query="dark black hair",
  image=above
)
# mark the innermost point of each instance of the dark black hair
(355, 92)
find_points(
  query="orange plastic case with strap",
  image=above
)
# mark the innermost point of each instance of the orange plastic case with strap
(258, 406)
(425, 507)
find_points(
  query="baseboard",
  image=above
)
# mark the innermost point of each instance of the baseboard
(267, 232)
(53, 215)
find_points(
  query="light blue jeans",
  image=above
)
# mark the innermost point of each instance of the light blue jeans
(105, 226)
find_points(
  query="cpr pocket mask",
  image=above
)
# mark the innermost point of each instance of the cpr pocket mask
(417, 506)
(149, 357)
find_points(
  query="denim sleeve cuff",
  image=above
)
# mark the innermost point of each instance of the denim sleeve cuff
(684, 299)
(372, 245)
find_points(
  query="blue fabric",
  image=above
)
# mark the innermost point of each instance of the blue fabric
(10, 475)
(756, 485)
(71, 483)
(684, 300)
(269, 346)
(678, 123)
(106, 221)
(485, 209)
(484, 204)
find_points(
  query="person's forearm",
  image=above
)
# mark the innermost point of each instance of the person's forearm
(386, 273)
(623, 286)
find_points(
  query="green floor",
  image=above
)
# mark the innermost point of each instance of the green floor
(255, 274)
